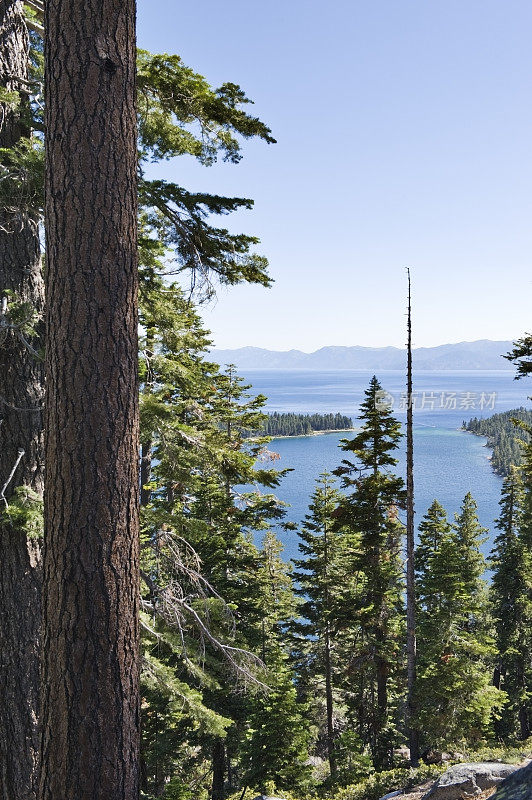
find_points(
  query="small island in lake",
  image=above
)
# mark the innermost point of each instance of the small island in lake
(505, 438)
(305, 424)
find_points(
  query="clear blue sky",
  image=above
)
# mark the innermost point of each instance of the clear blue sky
(404, 135)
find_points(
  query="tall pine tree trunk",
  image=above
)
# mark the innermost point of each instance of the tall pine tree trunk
(21, 443)
(90, 699)
(413, 733)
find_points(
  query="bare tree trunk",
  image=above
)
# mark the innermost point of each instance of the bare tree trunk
(90, 698)
(21, 443)
(413, 733)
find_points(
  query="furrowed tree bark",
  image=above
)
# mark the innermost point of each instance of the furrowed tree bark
(90, 699)
(21, 442)
(413, 733)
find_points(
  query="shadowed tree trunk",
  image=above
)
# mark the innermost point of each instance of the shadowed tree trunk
(90, 701)
(21, 441)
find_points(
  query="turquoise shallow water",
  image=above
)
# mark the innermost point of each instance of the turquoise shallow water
(448, 461)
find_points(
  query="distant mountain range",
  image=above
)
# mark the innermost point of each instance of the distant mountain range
(483, 354)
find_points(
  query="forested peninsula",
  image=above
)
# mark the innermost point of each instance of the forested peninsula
(506, 433)
(291, 424)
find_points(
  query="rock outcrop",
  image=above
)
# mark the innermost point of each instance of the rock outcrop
(468, 780)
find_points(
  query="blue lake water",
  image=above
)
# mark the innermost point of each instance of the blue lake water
(448, 462)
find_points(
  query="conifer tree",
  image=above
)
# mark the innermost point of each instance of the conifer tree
(319, 583)
(197, 538)
(432, 576)
(525, 539)
(512, 610)
(277, 601)
(454, 691)
(199, 422)
(180, 114)
(275, 748)
(519, 786)
(370, 508)
(432, 529)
